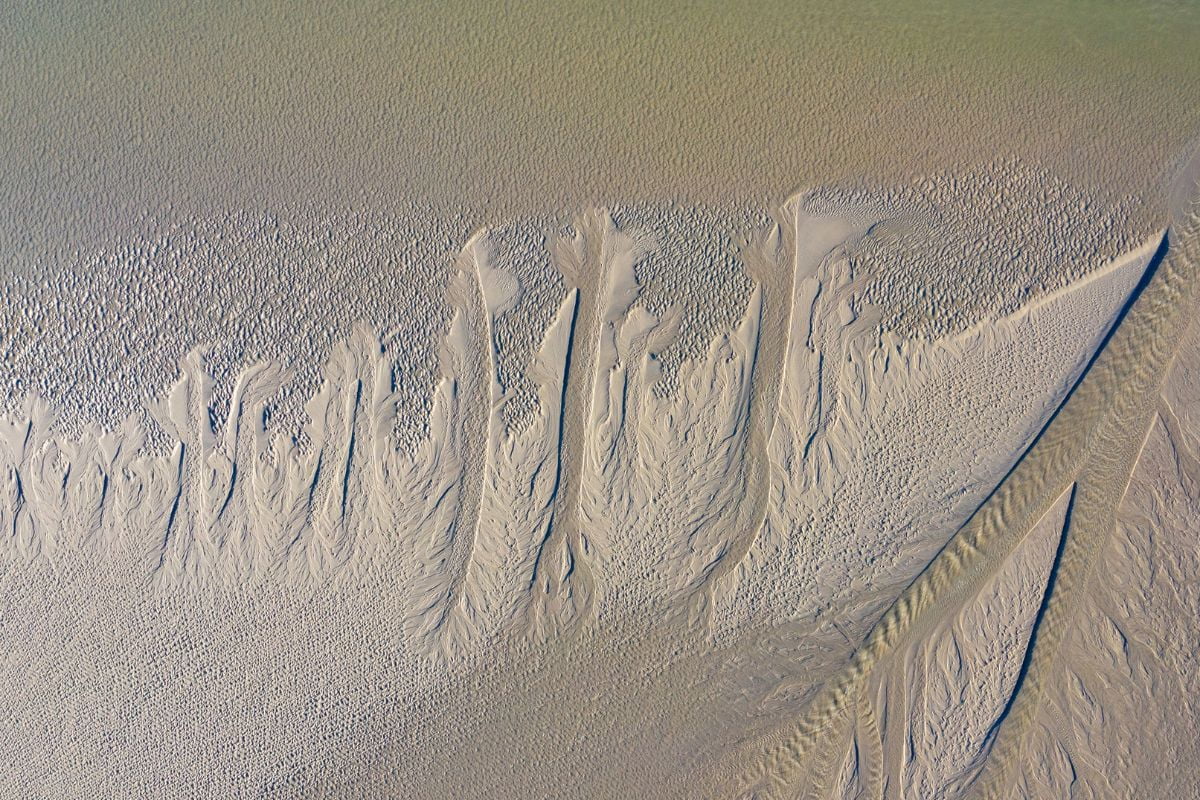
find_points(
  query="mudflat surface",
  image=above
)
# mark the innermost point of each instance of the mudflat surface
(542, 401)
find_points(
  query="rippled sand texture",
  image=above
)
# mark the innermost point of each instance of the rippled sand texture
(570, 402)
(614, 588)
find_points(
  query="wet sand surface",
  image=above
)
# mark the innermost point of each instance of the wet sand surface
(539, 401)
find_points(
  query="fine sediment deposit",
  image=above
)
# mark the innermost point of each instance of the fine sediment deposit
(600, 402)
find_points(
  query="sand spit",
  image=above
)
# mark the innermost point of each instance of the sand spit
(620, 552)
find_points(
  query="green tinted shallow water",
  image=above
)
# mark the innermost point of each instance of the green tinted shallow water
(535, 106)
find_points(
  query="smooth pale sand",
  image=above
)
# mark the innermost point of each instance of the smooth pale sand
(466, 402)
